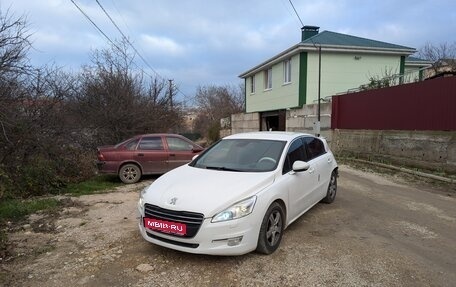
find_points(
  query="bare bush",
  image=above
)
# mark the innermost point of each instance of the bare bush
(114, 102)
(213, 104)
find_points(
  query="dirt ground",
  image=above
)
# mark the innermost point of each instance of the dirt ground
(380, 231)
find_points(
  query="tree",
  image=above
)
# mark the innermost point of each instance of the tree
(442, 56)
(14, 44)
(213, 104)
(116, 101)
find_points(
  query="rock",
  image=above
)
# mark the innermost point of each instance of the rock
(143, 268)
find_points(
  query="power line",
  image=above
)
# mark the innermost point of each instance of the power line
(129, 43)
(127, 40)
(132, 46)
(296, 12)
(96, 26)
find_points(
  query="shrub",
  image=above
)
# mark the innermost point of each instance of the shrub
(38, 177)
(5, 184)
(213, 134)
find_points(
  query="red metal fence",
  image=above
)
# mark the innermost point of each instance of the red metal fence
(426, 105)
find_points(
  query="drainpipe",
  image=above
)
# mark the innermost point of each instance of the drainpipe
(319, 91)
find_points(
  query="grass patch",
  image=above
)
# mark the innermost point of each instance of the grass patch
(14, 209)
(93, 185)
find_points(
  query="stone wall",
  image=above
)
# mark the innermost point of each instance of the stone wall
(304, 119)
(242, 123)
(297, 120)
(430, 150)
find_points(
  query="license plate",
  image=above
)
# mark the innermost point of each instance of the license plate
(165, 226)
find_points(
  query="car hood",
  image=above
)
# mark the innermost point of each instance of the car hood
(205, 191)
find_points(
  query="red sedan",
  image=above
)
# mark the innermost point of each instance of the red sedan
(146, 154)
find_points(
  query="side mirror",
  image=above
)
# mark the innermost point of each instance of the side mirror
(300, 166)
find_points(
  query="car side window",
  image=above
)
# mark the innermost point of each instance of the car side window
(132, 145)
(296, 152)
(177, 144)
(151, 143)
(315, 147)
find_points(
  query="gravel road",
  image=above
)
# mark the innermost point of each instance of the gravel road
(380, 231)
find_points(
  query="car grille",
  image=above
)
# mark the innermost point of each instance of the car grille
(193, 220)
(183, 244)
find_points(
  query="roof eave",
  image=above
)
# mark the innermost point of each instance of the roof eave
(277, 58)
(418, 64)
(306, 47)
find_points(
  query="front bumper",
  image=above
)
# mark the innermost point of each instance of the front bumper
(234, 237)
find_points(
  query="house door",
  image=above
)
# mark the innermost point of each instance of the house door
(273, 121)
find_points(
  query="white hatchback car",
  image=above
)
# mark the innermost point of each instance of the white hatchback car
(240, 194)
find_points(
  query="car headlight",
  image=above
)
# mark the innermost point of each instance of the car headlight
(236, 211)
(141, 197)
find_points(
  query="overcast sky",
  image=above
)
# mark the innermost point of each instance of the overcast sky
(206, 42)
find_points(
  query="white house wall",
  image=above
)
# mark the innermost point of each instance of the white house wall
(341, 72)
(411, 74)
(281, 96)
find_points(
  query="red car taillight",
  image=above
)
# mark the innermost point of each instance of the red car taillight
(100, 156)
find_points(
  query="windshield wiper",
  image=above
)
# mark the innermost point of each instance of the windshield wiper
(222, 168)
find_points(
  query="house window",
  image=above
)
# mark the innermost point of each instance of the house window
(268, 79)
(287, 71)
(252, 84)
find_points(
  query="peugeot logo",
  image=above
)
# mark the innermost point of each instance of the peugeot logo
(173, 201)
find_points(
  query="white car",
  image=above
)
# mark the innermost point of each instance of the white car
(240, 194)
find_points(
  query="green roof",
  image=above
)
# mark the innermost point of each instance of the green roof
(415, 59)
(328, 40)
(338, 39)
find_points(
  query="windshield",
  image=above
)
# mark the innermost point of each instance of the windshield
(250, 155)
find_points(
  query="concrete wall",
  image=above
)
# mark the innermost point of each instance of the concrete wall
(304, 119)
(424, 149)
(242, 123)
(297, 120)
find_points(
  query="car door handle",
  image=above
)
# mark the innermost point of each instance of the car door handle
(311, 170)
(172, 154)
(140, 154)
(330, 160)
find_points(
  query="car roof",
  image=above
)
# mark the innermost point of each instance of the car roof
(269, 135)
(158, 134)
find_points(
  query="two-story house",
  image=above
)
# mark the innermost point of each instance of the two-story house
(320, 66)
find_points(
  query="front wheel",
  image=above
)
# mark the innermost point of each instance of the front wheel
(271, 229)
(130, 173)
(332, 188)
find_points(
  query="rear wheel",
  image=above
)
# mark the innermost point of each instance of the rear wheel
(130, 173)
(332, 188)
(271, 229)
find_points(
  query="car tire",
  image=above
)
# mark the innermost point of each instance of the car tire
(332, 188)
(129, 173)
(271, 229)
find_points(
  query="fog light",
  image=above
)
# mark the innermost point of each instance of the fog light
(230, 241)
(234, 241)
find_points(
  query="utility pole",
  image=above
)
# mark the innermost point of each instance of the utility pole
(319, 91)
(171, 93)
